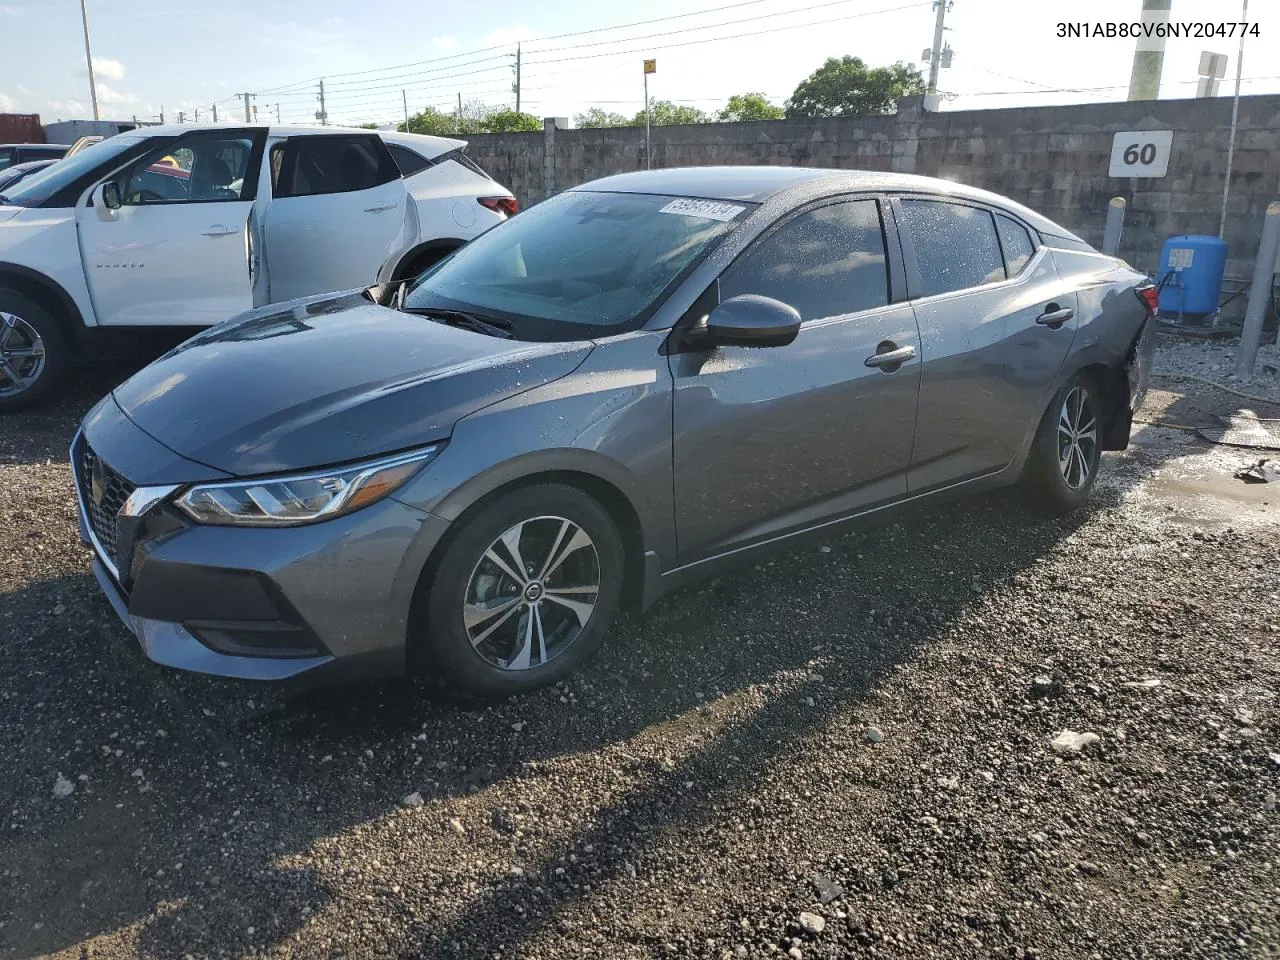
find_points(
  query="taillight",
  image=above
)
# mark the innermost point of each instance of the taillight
(507, 205)
(1150, 297)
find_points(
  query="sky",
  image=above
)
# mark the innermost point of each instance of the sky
(187, 55)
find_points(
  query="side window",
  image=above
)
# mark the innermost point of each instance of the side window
(407, 160)
(826, 262)
(333, 164)
(1016, 242)
(6, 156)
(199, 169)
(956, 246)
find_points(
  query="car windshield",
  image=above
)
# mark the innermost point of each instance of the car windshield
(40, 186)
(600, 261)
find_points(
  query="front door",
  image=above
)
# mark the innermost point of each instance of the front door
(772, 440)
(339, 210)
(175, 251)
(987, 299)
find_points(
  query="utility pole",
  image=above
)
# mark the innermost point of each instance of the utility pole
(181, 114)
(459, 111)
(197, 119)
(162, 114)
(516, 88)
(246, 97)
(935, 57)
(322, 115)
(278, 113)
(88, 57)
(1148, 58)
(1231, 144)
(215, 113)
(650, 66)
(405, 97)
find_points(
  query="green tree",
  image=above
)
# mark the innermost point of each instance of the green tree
(750, 106)
(431, 121)
(370, 126)
(664, 112)
(595, 118)
(507, 120)
(848, 87)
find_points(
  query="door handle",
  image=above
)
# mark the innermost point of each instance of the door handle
(385, 206)
(1055, 316)
(893, 357)
(218, 230)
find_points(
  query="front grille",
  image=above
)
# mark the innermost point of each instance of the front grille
(103, 492)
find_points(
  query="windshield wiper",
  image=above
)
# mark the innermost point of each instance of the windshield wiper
(468, 321)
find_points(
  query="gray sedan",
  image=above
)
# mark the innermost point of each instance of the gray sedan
(622, 389)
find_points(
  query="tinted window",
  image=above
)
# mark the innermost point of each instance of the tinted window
(6, 157)
(825, 263)
(314, 165)
(197, 169)
(956, 246)
(407, 160)
(1017, 244)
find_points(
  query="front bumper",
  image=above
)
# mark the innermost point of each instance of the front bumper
(329, 600)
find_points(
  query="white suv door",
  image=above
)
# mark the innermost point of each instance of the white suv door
(338, 210)
(174, 252)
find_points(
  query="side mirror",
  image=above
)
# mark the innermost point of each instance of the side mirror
(111, 195)
(752, 321)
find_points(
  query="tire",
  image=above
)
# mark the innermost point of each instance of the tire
(1062, 467)
(498, 653)
(33, 345)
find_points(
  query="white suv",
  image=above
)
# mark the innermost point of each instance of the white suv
(186, 226)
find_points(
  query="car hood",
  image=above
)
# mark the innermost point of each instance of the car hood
(328, 380)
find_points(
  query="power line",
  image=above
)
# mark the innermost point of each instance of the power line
(735, 36)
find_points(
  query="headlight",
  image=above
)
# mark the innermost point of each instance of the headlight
(305, 498)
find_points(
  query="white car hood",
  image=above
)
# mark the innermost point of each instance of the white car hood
(8, 213)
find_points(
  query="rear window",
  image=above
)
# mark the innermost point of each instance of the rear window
(459, 157)
(409, 161)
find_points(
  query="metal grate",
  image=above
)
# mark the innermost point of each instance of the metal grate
(103, 492)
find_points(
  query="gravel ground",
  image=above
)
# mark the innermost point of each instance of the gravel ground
(1216, 360)
(842, 752)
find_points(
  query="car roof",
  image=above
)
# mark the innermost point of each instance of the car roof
(757, 184)
(428, 145)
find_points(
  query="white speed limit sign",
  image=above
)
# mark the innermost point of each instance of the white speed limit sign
(1141, 153)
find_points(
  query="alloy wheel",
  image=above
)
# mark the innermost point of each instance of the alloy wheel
(1077, 438)
(532, 593)
(22, 355)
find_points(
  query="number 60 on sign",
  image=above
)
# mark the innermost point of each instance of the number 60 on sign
(1141, 153)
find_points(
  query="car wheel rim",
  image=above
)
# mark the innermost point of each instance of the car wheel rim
(1077, 438)
(22, 355)
(532, 593)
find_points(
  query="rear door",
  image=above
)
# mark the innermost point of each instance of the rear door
(338, 211)
(772, 440)
(996, 323)
(175, 252)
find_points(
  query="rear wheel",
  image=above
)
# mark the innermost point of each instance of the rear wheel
(33, 351)
(523, 594)
(1063, 466)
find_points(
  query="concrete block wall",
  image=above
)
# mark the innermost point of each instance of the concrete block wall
(1053, 159)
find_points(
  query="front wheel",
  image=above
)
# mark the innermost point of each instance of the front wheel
(1063, 466)
(523, 594)
(33, 351)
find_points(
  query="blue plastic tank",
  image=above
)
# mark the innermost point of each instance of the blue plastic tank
(1190, 276)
